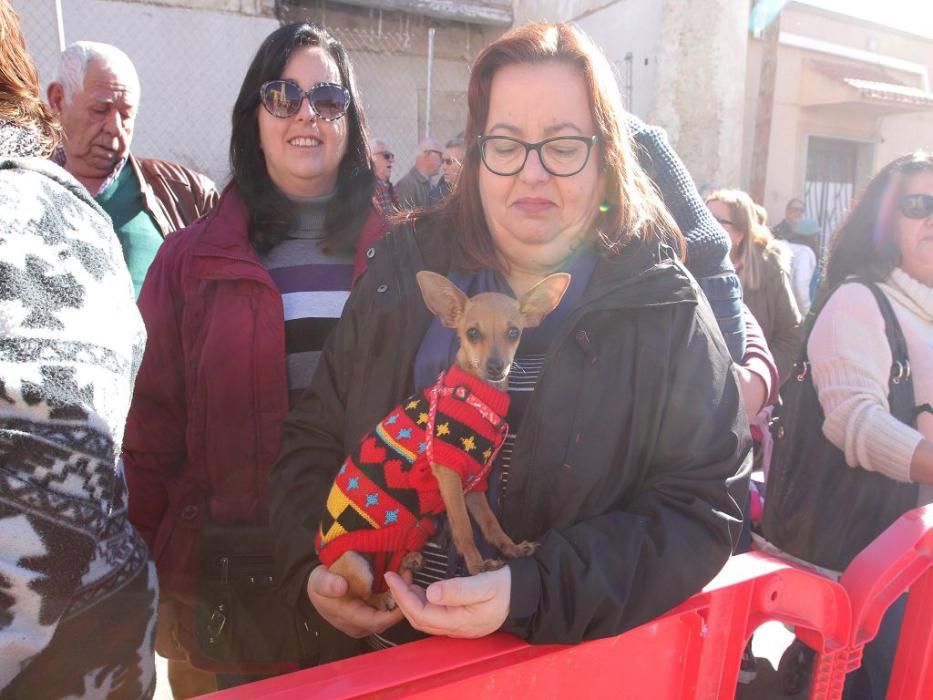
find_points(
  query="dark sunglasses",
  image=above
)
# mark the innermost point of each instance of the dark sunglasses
(388, 155)
(282, 99)
(916, 206)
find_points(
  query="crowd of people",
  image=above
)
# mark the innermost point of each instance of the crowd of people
(184, 371)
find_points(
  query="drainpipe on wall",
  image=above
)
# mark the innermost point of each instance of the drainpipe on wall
(60, 25)
(427, 106)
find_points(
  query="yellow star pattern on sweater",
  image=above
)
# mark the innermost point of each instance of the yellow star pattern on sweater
(422, 418)
(468, 444)
(487, 453)
(443, 429)
(412, 404)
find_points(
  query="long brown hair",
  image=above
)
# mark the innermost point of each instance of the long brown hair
(758, 243)
(20, 103)
(631, 206)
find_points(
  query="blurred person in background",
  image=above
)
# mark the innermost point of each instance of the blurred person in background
(763, 266)
(238, 307)
(96, 95)
(77, 590)
(794, 211)
(414, 189)
(383, 160)
(451, 162)
(804, 271)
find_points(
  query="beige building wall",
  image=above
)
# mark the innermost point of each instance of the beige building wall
(679, 65)
(808, 104)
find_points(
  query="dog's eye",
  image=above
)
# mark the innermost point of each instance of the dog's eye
(513, 333)
(473, 334)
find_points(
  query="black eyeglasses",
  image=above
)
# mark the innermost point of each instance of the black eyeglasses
(388, 155)
(282, 99)
(561, 156)
(916, 206)
(431, 150)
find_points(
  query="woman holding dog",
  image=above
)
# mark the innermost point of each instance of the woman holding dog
(626, 458)
(237, 307)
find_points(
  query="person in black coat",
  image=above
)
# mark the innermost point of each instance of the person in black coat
(627, 458)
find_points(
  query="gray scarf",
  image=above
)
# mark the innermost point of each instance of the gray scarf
(18, 141)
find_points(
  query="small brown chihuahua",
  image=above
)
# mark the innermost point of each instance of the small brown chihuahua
(489, 327)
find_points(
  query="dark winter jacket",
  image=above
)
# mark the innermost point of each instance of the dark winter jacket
(629, 467)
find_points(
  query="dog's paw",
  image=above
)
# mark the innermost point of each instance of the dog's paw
(491, 564)
(413, 561)
(525, 549)
(517, 551)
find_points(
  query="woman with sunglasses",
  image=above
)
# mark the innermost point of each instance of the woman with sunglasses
(625, 458)
(237, 308)
(763, 265)
(887, 239)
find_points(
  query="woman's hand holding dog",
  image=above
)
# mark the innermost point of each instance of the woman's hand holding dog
(467, 607)
(353, 617)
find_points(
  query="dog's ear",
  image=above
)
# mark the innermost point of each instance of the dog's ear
(543, 298)
(442, 297)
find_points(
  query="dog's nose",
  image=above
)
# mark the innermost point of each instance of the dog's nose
(494, 367)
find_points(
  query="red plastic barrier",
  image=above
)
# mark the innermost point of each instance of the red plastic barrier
(694, 651)
(900, 559)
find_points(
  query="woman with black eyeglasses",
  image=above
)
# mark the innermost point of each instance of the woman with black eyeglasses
(886, 240)
(625, 457)
(237, 308)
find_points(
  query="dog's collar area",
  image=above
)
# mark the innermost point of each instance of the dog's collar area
(463, 393)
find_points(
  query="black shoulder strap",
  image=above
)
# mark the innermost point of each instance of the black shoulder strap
(900, 383)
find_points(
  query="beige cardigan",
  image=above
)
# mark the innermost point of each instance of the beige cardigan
(851, 362)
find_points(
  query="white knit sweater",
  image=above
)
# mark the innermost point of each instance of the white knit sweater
(851, 361)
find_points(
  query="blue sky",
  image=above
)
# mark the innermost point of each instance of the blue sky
(911, 15)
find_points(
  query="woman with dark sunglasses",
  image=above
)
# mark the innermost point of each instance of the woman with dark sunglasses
(886, 239)
(237, 308)
(626, 457)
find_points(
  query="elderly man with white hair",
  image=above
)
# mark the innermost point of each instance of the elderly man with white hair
(384, 197)
(414, 189)
(96, 95)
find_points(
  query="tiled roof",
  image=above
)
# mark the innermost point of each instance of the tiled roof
(873, 83)
(858, 71)
(890, 92)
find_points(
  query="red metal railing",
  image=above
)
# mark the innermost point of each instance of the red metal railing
(898, 561)
(694, 651)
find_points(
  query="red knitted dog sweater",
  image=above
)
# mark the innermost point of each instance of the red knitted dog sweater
(385, 496)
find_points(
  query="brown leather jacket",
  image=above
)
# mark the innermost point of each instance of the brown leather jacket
(173, 195)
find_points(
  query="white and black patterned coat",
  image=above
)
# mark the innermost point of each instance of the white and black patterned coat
(77, 592)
